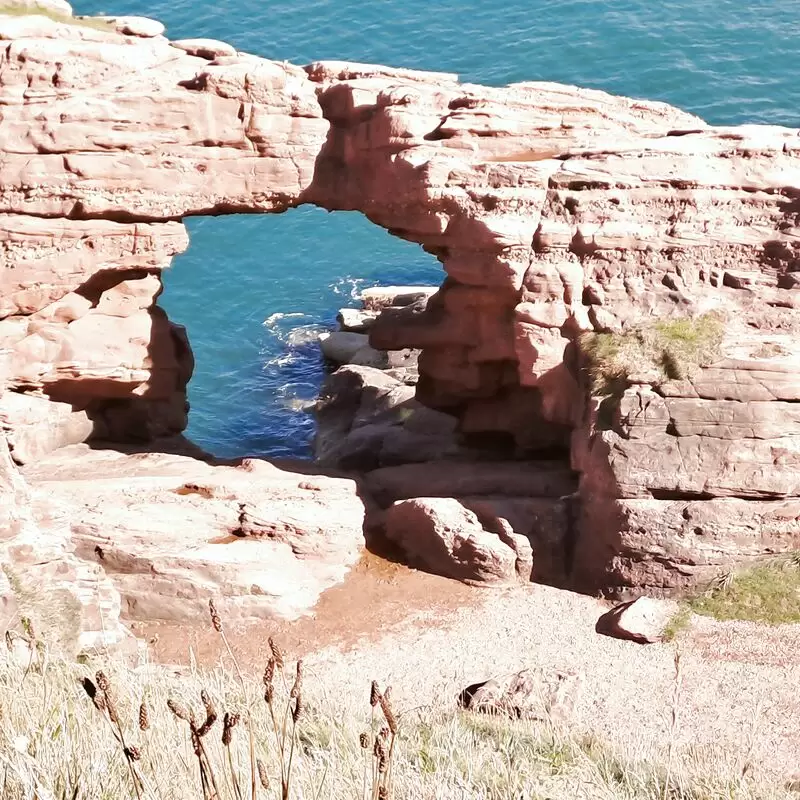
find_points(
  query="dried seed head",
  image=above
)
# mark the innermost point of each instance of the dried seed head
(383, 793)
(96, 697)
(207, 725)
(363, 740)
(269, 672)
(215, 620)
(388, 713)
(133, 753)
(298, 709)
(262, 774)
(102, 681)
(276, 653)
(298, 681)
(198, 747)
(179, 710)
(229, 722)
(111, 709)
(269, 693)
(144, 717)
(374, 694)
(384, 733)
(9, 641)
(207, 704)
(382, 764)
(378, 749)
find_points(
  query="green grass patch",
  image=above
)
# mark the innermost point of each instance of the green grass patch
(769, 593)
(678, 623)
(673, 349)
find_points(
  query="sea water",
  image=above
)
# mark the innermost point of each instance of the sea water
(253, 291)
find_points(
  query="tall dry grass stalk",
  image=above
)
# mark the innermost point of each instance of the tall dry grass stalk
(674, 723)
(103, 731)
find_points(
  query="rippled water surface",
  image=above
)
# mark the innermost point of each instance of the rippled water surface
(248, 283)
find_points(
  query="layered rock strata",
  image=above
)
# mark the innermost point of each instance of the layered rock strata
(554, 211)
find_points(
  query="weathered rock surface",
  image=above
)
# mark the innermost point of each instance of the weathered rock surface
(377, 298)
(516, 500)
(136, 26)
(642, 620)
(546, 479)
(532, 694)
(340, 347)
(554, 211)
(355, 320)
(170, 531)
(440, 534)
(367, 418)
(69, 598)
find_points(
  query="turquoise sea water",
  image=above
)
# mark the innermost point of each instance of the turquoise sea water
(248, 283)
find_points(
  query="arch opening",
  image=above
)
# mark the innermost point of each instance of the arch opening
(255, 292)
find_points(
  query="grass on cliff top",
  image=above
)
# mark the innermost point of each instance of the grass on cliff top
(103, 731)
(767, 593)
(673, 349)
(14, 10)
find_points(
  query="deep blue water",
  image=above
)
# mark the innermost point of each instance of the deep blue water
(727, 60)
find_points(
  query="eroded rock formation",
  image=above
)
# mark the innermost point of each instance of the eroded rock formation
(554, 211)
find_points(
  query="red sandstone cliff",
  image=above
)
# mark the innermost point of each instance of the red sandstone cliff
(554, 211)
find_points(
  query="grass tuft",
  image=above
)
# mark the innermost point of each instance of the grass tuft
(672, 349)
(767, 593)
(11, 9)
(678, 623)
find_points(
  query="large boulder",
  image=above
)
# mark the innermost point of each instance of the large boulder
(340, 346)
(170, 531)
(443, 536)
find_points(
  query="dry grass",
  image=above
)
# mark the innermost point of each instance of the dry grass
(672, 349)
(11, 9)
(103, 731)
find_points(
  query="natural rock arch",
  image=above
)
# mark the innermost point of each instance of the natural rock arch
(553, 210)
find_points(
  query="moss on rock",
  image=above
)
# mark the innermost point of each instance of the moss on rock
(672, 349)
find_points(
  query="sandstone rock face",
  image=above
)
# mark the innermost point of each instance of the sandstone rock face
(519, 502)
(170, 531)
(442, 535)
(70, 600)
(366, 419)
(555, 212)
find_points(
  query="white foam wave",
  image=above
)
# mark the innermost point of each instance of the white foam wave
(273, 319)
(349, 287)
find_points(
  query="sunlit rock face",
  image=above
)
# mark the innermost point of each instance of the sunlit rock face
(556, 213)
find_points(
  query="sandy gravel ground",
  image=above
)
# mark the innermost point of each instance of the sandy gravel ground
(429, 638)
